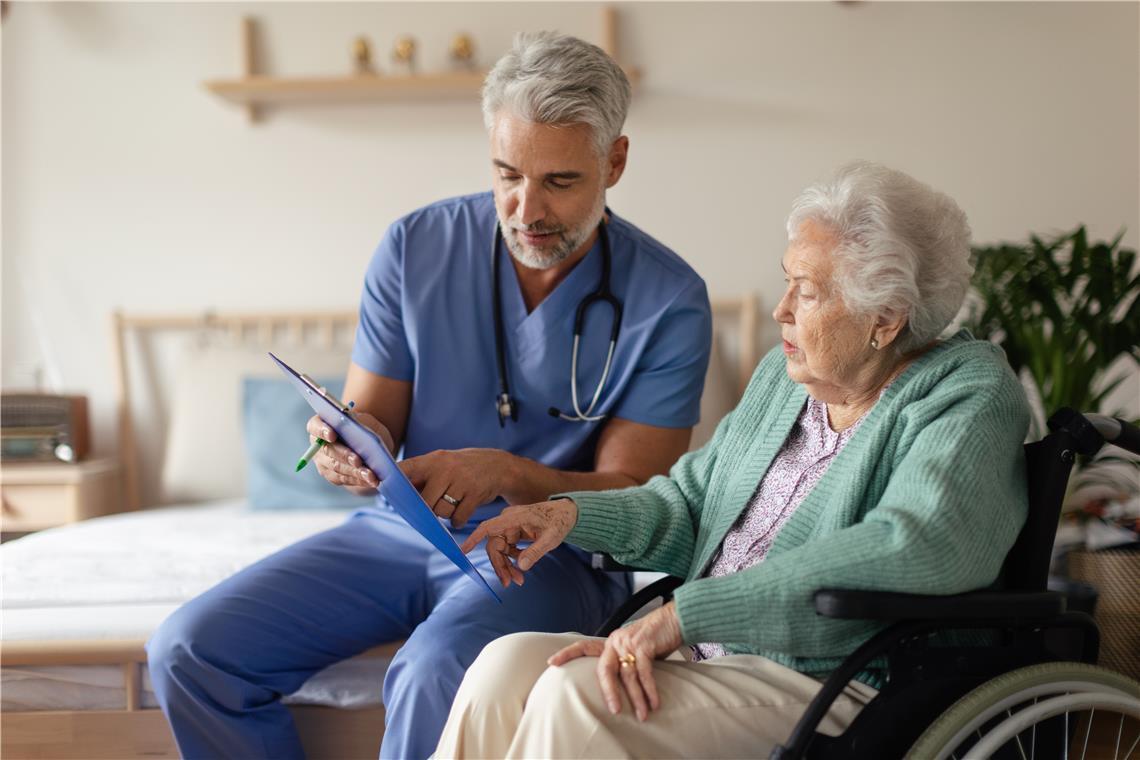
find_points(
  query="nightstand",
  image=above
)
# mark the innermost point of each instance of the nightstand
(42, 495)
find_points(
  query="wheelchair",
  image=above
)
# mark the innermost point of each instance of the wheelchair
(989, 673)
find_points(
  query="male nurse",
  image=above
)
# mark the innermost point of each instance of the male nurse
(484, 354)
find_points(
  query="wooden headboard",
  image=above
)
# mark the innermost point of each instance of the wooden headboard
(734, 323)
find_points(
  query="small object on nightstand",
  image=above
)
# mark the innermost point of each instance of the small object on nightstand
(39, 495)
(362, 56)
(463, 52)
(404, 53)
(43, 427)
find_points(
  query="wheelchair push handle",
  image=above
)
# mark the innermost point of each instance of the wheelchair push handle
(1116, 431)
(1089, 432)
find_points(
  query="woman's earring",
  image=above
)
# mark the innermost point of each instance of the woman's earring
(875, 343)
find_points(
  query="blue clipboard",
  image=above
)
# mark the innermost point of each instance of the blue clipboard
(396, 488)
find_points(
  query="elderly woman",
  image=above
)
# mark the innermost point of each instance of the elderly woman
(866, 453)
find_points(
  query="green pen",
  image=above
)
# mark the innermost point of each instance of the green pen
(309, 454)
(314, 448)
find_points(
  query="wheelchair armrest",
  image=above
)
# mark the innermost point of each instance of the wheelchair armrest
(661, 588)
(975, 605)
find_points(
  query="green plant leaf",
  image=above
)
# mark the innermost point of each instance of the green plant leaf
(1050, 302)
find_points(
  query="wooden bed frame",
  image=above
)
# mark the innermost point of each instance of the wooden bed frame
(138, 732)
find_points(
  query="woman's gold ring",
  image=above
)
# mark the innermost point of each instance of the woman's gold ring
(628, 660)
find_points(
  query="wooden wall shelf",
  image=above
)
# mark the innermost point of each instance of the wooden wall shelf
(254, 90)
(259, 89)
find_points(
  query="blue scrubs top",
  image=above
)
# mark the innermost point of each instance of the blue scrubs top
(426, 317)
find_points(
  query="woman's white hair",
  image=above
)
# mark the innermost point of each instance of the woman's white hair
(903, 248)
(549, 78)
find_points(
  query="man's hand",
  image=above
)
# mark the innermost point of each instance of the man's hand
(472, 477)
(340, 465)
(546, 524)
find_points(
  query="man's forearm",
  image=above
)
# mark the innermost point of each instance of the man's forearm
(526, 481)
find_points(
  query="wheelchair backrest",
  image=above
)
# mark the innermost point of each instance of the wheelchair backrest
(1048, 463)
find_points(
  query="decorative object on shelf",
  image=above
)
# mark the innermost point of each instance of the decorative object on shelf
(463, 52)
(254, 88)
(362, 56)
(404, 54)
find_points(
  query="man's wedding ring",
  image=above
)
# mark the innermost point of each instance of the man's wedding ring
(450, 500)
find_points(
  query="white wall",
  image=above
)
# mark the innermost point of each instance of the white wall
(126, 185)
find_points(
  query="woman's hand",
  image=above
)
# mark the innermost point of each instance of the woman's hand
(340, 465)
(625, 658)
(545, 524)
(455, 483)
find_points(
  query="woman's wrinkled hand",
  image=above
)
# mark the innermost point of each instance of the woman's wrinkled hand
(544, 524)
(625, 659)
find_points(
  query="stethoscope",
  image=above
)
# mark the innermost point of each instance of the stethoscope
(507, 406)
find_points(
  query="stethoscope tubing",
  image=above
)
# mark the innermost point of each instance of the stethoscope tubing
(506, 406)
(580, 415)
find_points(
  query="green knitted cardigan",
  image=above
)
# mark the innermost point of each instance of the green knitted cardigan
(927, 497)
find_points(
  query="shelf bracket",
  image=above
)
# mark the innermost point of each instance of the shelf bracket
(249, 59)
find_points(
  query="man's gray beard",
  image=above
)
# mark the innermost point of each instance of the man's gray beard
(534, 260)
(570, 241)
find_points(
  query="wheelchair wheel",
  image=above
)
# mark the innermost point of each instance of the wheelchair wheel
(1048, 710)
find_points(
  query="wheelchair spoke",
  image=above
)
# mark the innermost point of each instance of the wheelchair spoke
(1033, 743)
(1119, 731)
(1020, 748)
(1066, 733)
(1134, 743)
(1088, 730)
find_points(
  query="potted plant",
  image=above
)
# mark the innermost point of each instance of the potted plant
(1065, 311)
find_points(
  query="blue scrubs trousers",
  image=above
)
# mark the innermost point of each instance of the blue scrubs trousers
(221, 662)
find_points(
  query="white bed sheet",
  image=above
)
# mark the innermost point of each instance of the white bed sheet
(155, 556)
(118, 577)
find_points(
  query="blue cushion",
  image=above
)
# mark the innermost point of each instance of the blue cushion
(273, 423)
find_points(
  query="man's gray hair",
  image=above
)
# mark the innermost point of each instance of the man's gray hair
(549, 78)
(903, 248)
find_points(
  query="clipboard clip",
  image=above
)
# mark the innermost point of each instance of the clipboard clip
(321, 390)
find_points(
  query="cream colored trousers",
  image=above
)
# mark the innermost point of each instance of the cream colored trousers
(512, 705)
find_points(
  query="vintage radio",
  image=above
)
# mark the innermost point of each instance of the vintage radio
(40, 427)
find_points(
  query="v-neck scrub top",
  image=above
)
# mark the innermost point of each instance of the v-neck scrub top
(426, 317)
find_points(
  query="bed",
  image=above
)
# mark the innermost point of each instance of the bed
(80, 601)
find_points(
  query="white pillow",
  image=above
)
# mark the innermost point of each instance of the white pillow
(205, 458)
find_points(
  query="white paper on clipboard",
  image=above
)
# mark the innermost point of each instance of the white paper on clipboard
(394, 486)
